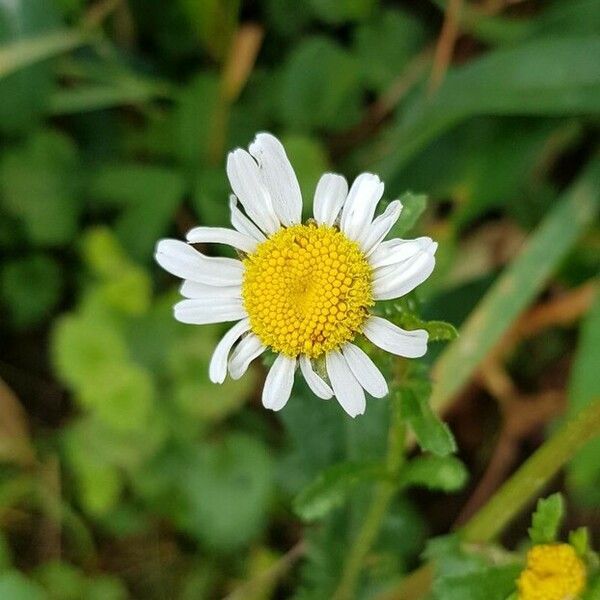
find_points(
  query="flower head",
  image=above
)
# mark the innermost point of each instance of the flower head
(302, 290)
(553, 572)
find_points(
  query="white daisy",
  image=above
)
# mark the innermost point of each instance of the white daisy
(303, 291)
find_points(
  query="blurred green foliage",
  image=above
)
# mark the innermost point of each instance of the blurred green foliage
(114, 123)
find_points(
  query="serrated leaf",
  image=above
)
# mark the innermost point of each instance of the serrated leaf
(580, 540)
(432, 434)
(446, 473)
(331, 487)
(546, 519)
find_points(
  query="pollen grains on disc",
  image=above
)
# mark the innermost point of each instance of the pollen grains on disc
(306, 290)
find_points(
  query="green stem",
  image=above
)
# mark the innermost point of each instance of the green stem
(384, 492)
(514, 495)
(535, 473)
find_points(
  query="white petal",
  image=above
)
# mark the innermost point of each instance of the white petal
(201, 311)
(380, 227)
(315, 382)
(278, 177)
(242, 223)
(217, 369)
(330, 195)
(365, 371)
(245, 352)
(246, 183)
(360, 205)
(396, 280)
(195, 289)
(346, 388)
(397, 250)
(221, 235)
(184, 261)
(391, 338)
(279, 382)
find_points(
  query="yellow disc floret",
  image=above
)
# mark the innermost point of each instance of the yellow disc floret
(306, 290)
(553, 572)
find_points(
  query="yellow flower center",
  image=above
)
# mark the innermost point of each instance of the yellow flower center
(306, 290)
(553, 572)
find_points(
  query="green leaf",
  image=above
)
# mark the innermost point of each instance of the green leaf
(583, 472)
(62, 580)
(20, 54)
(339, 11)
(24, 92)
(580, 540)
(546, 519)
(148, 197)
(439, 331)
(437, 473)
(385, 43)
(309, 159)
(517, 286)
(491, 583)
(553, 76)
(15, 586)
(214, 21)
(332, 486)
(413, 206)
(31, 288)
(320, 87)
(81, 347)
(119, 394)
(40, 184)
(226, 488)
(432, 434)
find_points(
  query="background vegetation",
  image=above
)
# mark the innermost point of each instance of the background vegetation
(124, 473)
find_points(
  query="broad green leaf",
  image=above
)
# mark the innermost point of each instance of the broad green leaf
(432, 434)
(309, 160)
(331, 487)
(546, 519)
(119, 394)
(584, 387)
(552, 76)
(437, 473)
(149, 197)
(517, 287)
(62, 580)
(30, 288)
(385, 43)
(40, 185)
(81, 347)
(320, 87)
(226, 489)
(15, 586)
(338, 11)
(186, 361)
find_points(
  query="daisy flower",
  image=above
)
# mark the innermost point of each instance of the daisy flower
(302, 290)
